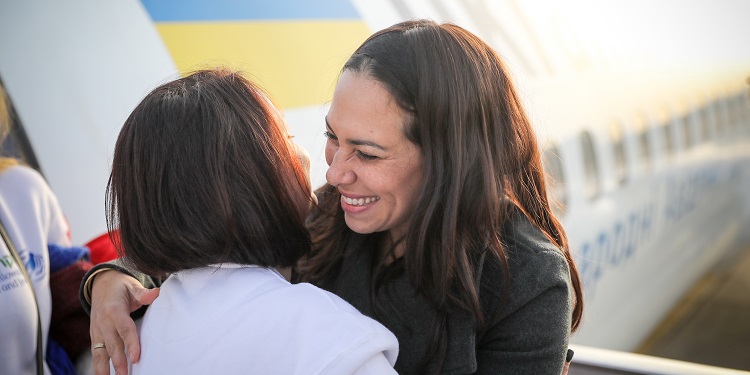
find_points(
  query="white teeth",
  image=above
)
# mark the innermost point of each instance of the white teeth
(360, 201)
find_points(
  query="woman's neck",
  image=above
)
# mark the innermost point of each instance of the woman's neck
(392, 250)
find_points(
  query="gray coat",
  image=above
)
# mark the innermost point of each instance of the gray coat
(529, 323)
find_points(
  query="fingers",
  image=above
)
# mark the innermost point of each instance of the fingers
(113, 296)
(568, 358)
(126, 338)
(113, 347)
(113, 350)
(304, 158)
(126, 329)
(144, 296)
(100, 357)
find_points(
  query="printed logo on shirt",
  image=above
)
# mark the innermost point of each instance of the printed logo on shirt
(33, 262)
(6, 261)
(10, 276)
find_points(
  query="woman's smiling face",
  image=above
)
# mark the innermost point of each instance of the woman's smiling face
(377, 170)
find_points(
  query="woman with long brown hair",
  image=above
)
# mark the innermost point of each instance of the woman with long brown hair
(436, 220)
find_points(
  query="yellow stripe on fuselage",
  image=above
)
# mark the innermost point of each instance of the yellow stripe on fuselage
(296, 62)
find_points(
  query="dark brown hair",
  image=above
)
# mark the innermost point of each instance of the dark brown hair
(204, 173)
(480, 158)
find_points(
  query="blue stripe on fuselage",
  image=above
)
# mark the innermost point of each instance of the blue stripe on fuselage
(248, 10)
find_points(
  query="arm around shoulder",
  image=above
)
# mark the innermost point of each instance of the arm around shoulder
(84, 292)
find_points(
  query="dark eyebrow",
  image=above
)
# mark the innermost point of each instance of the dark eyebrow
(357, 142)
(329, 126)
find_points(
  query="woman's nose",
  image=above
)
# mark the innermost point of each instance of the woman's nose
(340, 171)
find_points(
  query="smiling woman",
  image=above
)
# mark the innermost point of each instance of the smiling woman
(365, 144)
(435, 219)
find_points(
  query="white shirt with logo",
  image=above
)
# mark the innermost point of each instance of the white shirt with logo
(33, 218)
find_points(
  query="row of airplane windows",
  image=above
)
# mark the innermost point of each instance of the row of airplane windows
(661, 141)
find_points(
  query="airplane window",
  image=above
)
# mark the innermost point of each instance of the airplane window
(728, 115)
(644, 141)
(618, 147)
(687, 134)
(705, 120)
(590, 165)
(668, 142)
(555, 177)
(740, 107)
(734, 108)
(16, 144)
(721, 119)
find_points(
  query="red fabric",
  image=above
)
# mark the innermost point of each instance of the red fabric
(102, 249)
(69, 325)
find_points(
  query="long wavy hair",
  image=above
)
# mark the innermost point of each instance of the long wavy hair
(480, 158)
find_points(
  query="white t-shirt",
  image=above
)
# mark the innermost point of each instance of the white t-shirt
(233, 319)
(33, 218)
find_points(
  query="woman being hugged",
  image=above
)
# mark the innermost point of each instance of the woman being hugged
(207, 188)
(435, 220)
